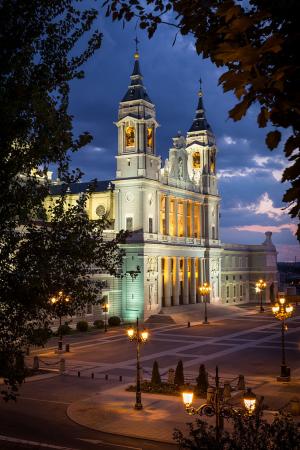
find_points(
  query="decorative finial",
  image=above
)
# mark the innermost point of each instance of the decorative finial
(200, 89)
(136, 55)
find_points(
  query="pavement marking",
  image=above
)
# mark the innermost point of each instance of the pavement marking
(43, 400)
(96, 441)
(38, 444)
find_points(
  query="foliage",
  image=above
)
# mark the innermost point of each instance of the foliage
(99, 323)
(202, 381)
(249, 433)
(114, 321)
(179, 375)
(82, 325)
(39, 57)
(39, 336)
(163, 388)
(64, 329)
(155, 378)
(257, 45)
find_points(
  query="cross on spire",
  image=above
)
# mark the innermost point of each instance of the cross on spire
(136, 44)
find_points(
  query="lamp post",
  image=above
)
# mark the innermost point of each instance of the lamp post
(105, 309)
(204, 290)
(218, 407)
(139, 337)
(58, 303)
(283, 311)
(260, 286)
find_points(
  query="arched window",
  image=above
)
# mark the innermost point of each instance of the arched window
(129, 136)
(212, 163)
(150, 137)
(196, 160)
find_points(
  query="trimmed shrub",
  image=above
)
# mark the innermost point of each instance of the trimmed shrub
(202, 381)
(114, 321)
(179, 375)
(64, 329)
(99, 323)
(82, 325)
(155, 378)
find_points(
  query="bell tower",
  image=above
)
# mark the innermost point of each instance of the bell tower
(137, 130)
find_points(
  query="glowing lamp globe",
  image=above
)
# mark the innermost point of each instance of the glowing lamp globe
(187, 398)
(282, 300)
(130, 333)
(144, 335)
(275, 309)
(249, 401)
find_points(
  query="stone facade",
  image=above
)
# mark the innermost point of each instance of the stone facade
(172, 211)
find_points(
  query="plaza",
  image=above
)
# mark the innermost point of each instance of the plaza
(240, 340)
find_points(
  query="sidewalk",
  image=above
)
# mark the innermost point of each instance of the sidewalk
(112, 411)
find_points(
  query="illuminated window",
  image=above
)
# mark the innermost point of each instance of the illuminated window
(129, 136)
(150, 137)
(227, 291)
(196, 160)
(212, 163)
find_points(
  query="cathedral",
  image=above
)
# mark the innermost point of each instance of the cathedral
(172, 209)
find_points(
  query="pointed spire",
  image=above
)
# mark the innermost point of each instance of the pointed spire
(136, 90)
(200, 123)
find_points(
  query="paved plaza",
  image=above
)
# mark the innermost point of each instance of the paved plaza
(95, 411)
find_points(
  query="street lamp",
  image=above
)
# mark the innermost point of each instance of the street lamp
(283, 311)
(58, 303)
(204, 290)
(105, 309)
(140, 337)
(218, 407)
(259, 287)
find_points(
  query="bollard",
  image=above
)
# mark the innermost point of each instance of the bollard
(226, 392)
(189, 324)
(120, 378)
(36, 364)
(62, 366)
(78, 373)
(241, 383)
(92, 374)
(67, 348)
(295, 406)
(106, 377)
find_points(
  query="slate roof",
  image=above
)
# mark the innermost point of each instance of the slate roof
(136, 90)
(200, 123)
(77, 188)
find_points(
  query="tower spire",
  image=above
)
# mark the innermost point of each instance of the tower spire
(136, 90)
(200, 123)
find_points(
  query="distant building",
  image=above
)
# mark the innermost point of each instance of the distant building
(172, 210)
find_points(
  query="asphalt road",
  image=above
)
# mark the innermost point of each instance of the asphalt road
(39, 415)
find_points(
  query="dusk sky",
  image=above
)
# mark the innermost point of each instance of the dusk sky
(249, 174)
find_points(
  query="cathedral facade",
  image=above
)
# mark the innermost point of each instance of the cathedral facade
(172, 210)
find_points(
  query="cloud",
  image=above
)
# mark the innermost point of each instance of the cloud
(230, 173)
(277, 174)
(264, 205)
(229, 140)
(97, 149)
(263, 228)
(261, 161)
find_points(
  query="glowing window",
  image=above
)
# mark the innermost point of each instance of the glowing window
(212, 164)
(196, 160)
(150, 137)
(129, 136)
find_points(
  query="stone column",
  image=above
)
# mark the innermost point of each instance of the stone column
(159, 282)
(157, 222)
(192, 220)
(193, 281)
(176, 281)
(168, 281)
(184, 218)
(203, 227)
(167, 215)
(176, 216)
(185, 282)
